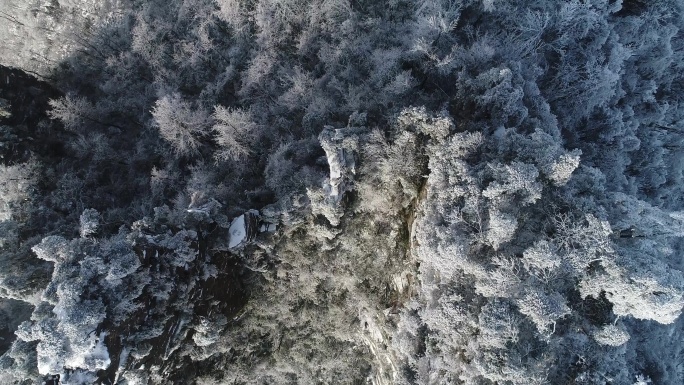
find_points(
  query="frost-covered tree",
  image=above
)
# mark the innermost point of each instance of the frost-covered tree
(90, 221)
(181, 124)
(612, 335)
(642, 288)
(234, 131)
(497, 185)
(73, 111)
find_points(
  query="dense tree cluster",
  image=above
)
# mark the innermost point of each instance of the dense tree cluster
(308, 191)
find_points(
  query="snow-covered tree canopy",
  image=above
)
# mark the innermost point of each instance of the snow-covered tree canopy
(341, 192)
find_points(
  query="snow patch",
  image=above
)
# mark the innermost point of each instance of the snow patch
(92, 359)
(237, 231)
(243, 228)
(78, 377)
(372, 335)
(123, 358)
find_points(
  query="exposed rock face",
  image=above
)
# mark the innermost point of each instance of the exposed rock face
(341, 161)
(339, 146)
(245, 228)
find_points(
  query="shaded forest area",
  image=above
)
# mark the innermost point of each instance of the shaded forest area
(329, 191)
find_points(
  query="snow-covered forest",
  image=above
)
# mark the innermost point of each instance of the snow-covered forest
(471, 192)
